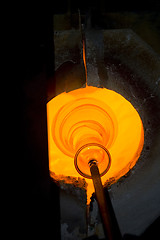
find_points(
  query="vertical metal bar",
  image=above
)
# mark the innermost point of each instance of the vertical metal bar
(103, 208)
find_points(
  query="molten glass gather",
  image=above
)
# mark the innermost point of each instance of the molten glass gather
(92, 152)
(93, 115)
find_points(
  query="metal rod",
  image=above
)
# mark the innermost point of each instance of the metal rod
(103, 208)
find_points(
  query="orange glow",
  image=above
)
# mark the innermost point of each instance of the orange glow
(84, 60)
(93, 115)
(89, 153)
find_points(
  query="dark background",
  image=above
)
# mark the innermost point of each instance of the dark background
(36, 210)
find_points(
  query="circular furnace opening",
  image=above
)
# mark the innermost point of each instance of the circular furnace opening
(93, 115)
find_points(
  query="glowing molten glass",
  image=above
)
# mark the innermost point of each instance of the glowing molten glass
(93, 115)
(87, 154)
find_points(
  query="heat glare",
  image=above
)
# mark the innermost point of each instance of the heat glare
(97, 116)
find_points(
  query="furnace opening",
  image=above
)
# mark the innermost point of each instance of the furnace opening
(93, 115)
